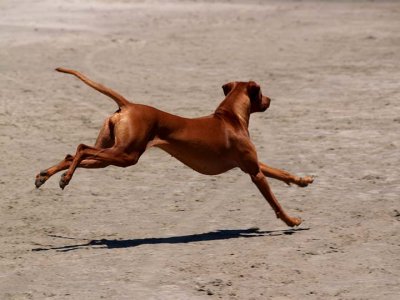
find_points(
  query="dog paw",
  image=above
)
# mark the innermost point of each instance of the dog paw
(292, 222)
(64, 180)
(305, 181)
(41, 179)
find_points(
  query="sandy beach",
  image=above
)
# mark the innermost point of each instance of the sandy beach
(159, 230)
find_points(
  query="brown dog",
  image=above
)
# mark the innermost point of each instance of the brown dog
(210, 145)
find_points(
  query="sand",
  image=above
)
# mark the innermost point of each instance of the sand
(158, 230)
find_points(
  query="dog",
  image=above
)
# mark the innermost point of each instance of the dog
(209, 145)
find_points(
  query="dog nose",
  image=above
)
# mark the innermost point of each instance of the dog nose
(266, 103)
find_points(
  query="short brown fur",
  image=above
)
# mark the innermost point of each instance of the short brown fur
(210, 145)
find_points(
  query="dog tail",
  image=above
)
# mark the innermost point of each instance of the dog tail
(119, 99)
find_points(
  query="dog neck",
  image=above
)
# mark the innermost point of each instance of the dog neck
(235, 107)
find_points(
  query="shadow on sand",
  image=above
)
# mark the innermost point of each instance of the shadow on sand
(223, 234)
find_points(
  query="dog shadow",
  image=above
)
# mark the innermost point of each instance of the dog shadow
(223, 234)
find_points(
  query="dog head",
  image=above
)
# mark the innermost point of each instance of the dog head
(258, 102)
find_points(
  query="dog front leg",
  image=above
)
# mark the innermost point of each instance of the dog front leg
(285, 176)
(262, 184)
(249, 164)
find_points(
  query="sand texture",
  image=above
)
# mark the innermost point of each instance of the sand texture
(159, 230)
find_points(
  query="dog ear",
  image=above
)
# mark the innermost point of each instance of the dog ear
(228, 87)
(253, 90)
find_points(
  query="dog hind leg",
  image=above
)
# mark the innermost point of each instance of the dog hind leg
(44, 175)
(105, 139)
(109, 156)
